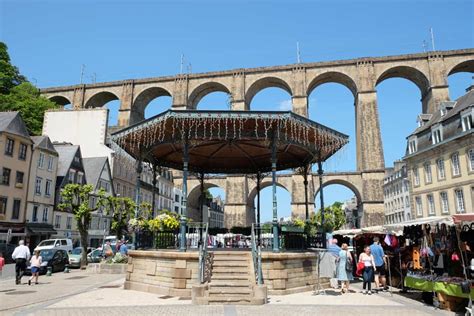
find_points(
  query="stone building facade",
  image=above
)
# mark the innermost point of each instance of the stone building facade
(396, 188)
(440, 160)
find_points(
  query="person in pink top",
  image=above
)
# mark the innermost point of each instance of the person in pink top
(36, 262)
(2, 263)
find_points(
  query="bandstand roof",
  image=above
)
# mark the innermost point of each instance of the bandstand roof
(229, 141)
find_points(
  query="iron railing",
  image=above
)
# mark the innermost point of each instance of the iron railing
(197, 237)
(257, 254)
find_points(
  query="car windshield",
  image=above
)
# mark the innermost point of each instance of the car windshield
(77, 251)
(95, 253)
(46, 255)
(46, 243)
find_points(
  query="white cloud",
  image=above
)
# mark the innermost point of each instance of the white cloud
(285, 105)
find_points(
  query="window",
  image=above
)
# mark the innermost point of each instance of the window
(459, 201)
(19, 177)
(50, 163)
(38, 185)
(41, 161)
(47, 190)
(455, 164)
(68, 222)
(436, 135)
(22, 151)
(412, 145)
(16, 209)
(9, 145)
(71, 176)
(441, 171)
(3, 205)
(57, 221)
(467, 122)
(6, 176)
(428, 177)
(444, 202)
(34, 217)
(419, 206)
(416, 176)
(431, 206)
(79, 177)
(45, 215)
(470, 157)
(407, 202)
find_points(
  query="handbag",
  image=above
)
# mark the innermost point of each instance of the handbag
(360, 268)
(349, 266)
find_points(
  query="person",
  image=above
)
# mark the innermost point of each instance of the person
(379, 257)
(344, 275)
(21, 254)
(369, 268)
(119, 244)
(108, 250)
(2, 263)
(333, 248)
(35, 262)
(123, 248)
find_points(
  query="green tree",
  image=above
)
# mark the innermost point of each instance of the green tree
(17, 94)
(77, 198)
(122, 209)
(9, 75)
(334, 217)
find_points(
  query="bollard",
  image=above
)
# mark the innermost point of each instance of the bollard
(66, 268)
(49, 271)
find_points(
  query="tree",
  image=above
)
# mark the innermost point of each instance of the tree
(122, 209)
(77, 199)
(17, 94)
(334, 217)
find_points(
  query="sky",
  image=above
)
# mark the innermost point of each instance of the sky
(50, 41)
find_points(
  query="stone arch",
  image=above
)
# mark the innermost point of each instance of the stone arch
(99, 99)
(60, 100)
(193, 198)
(332, 77)
(143, 99)
(263, 83)
(406, 72)
(465, 66)
(204, 89)
(265, 184)
(342, 182)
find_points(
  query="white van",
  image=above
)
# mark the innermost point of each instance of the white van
(65, 244)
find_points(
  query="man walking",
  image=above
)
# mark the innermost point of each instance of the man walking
(21, 254)
(379, 259)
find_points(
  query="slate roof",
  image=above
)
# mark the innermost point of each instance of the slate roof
(43, 142)
(11, 122)
(93, 168)
(66, 154)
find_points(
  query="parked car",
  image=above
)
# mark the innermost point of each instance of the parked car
(57, 259)
(64, 244)
(95, 256)
(75, 256)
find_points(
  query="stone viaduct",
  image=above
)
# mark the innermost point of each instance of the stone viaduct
(429, 71)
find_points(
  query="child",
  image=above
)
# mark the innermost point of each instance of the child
(35, 261)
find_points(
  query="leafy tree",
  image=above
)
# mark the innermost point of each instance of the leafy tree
(77, 198)
(122, 209)
(9, 75)
(17, 94)
(334, 217)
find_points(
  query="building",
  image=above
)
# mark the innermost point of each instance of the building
(41, 190)
(351, 211)
(440, 160)
(215, 212)
(178, 206)
(99, 175)
(15, 153)
(396, 188)
(70, 170)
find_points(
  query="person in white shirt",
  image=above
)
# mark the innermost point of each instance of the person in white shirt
(36, 262)
(21, 255)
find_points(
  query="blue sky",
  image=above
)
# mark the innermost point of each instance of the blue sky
(115, 40)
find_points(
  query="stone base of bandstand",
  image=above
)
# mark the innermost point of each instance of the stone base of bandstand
(175, 273)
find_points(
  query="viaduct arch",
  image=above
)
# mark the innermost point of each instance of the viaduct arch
(429, 71)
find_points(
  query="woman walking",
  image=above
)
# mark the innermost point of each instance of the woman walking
(369, 269)
(344, 268)
(35, 262)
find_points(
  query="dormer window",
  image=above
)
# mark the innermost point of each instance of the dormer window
(466, 119)
(423, 119)
(436, 134)
(412, 145)
(446, 106)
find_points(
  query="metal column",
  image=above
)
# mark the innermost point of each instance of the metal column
(276, 246)
(137, 198)
(321, 197)
(182, 229)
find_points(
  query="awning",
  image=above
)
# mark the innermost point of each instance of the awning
(461, 218)
(369, 230)
(448, 220)
(40, 228)
(348, 232)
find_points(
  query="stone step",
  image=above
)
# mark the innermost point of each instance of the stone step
(230, 258)
(229, 276)
(230, 291)
(230, 264)
(235, 300)
(232, 270)
(229, 283)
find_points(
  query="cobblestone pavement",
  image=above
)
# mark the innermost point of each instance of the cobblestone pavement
(83, 293)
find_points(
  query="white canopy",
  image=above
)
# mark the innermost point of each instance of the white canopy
(448, 220)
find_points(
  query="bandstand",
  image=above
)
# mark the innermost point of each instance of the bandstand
(228, 142)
